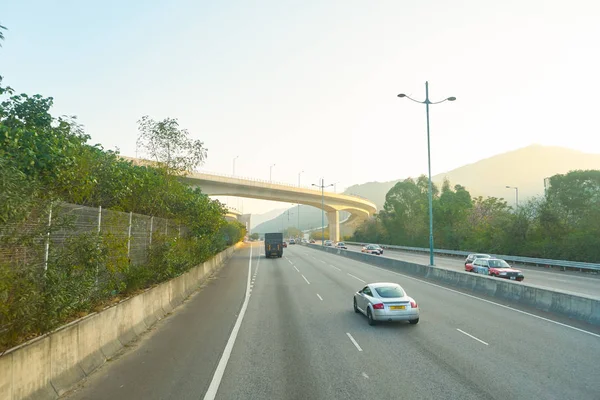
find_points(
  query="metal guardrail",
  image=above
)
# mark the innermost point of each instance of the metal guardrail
(517, 259)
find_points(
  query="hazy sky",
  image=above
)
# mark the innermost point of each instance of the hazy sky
(312, 85)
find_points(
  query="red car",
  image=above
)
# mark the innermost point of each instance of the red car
(501, 269)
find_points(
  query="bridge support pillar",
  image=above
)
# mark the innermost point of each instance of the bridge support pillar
(333, 217)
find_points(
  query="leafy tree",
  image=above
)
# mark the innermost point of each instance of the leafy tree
(2, 28)
(254, 236)
(169, 145)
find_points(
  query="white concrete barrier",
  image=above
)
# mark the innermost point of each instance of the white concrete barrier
(50, 365)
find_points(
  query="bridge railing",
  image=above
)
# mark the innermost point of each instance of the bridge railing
(516, 259)
(275, 183)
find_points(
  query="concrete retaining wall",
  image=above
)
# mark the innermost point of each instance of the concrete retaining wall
(572, 305)
(48, 366)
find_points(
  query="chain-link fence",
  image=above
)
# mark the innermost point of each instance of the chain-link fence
(66, 258)
(30, 243)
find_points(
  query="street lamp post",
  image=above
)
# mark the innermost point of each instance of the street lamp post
(271, 173)
(299, 173)
(235, 158)
(322, 186)
(427, 102)
(516, 195)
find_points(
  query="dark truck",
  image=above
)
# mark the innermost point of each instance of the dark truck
(274, 244)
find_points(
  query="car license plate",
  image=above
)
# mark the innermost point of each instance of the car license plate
(513, 277)
(397, 307)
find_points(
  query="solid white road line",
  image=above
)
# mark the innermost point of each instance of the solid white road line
(211, 393)
(333, 266)
(306, 279)
(319, 296)
(296, 268)
(353, 341)
(472, 337)
(357, 278)
(487, 301)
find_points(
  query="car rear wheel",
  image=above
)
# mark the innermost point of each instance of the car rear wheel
(414, 321)
(370, 317)
(356, 310)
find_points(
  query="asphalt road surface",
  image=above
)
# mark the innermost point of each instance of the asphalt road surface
(572, 281)
(298, 338)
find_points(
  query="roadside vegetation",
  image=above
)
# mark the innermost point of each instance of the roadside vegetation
(46, 161)
(562, 224)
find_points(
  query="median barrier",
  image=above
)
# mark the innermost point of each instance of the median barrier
(48, 366)
(571, 305)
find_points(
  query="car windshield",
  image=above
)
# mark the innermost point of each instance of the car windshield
(498, 264)
(341, 244)
(389, 291)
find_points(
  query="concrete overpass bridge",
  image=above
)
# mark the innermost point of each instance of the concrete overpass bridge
(224, 185)
(227, 185)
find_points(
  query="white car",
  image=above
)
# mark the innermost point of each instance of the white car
(385, 301)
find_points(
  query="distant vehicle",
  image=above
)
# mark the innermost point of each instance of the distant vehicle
(328, 243)
(274, 245)
(372, 249)
(341, 245)
(284, 244)
(501, 269)
(386, 301)
(312, 241)
(292, 241)
(471, 257)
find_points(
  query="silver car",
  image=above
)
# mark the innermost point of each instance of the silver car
(385, 301)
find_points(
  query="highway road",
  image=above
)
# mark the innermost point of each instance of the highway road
(572, 281)
(285, 329)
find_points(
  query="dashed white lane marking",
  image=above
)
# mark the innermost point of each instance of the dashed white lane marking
(353, 341)
(319, 296)
(357, 278)
(472, 337)
(333, 266)
(296, 268)
(365, 375)
(306, 279)
(289, 261)
(211, 393)
(323, 261)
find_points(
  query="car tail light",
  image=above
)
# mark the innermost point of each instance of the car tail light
(378, 306)
(413, 304)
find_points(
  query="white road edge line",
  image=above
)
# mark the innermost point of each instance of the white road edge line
(211, 393)
(353, 341)
(306, 279)
(333, 266)
(319, 296)
(486, 301)
(296, 268)
(357, 278)
(472, 337)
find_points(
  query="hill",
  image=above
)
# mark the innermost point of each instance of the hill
(310, 218)
(525, 168)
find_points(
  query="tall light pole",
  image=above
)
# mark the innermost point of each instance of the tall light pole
(427, 102)
(322, 186)
(299, 173)
(235, 158)
(271, 173)
(516, 195)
